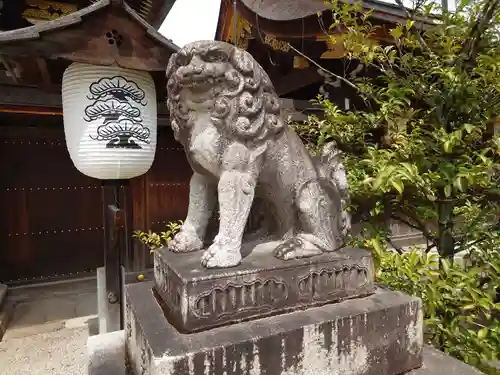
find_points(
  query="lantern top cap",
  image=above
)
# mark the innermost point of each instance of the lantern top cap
(106, 32)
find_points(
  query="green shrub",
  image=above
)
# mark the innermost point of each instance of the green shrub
(422, 151)
(157, 240)
(458, 303)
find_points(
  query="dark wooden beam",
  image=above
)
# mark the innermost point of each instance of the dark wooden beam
(19, 96)
(295, 80)
(159, 13)
(28, 96)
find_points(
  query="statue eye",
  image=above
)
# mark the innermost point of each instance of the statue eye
(183, 59)
(215, 57)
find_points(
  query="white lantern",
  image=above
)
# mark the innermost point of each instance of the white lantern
(109, 120)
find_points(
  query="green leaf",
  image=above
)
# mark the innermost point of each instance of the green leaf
(469, 128)
(398, 185)
(461, 184)
(397, 32)
(447, 191)
(481, 334)
(447, 146)
(445, 265)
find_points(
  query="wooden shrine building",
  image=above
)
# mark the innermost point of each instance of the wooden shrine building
(51, 220)
(274, 30)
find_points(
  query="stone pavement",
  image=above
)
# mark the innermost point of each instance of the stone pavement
(47, 308)
(48, 329)
(54, 353)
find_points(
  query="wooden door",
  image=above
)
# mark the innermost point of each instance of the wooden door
(50, 213)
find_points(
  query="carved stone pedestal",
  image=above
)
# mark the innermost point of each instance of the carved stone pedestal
(376, 335)
(195, 298)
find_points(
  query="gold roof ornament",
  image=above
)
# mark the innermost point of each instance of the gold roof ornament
(243, 31)
(40, 10)
(299, 62)
(334, 45)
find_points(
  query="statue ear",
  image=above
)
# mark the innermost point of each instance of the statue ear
(172, 65)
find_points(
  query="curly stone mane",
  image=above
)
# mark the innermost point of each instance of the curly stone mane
(245, 104)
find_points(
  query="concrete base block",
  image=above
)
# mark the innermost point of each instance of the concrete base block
(434, 363)
(376, 335)
(268, 346)
(106, 354)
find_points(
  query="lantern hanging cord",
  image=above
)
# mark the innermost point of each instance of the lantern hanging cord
(234, 21)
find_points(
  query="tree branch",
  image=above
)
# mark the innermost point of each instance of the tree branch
(419, 226)
(397, 248)
(421, 40)
(345, 80)
(406, 222)
(479, 27)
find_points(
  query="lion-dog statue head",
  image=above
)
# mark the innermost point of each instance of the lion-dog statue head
(242, 98)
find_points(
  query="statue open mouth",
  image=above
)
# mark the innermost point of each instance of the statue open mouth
(200, 81)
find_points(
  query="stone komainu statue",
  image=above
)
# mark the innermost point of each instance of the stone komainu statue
(226, 114)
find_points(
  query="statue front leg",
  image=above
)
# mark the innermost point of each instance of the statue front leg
(236, 188)
(202, 192)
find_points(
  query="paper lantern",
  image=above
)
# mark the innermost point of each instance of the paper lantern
(110, 120)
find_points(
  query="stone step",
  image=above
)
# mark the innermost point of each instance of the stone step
(6, 309)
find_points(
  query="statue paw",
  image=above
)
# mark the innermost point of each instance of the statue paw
(221, 255)
(184, 242)
(296, 248)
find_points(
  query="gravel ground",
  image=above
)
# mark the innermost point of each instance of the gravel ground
(61, 352)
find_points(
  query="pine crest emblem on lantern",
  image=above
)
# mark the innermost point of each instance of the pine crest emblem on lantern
(116, 100)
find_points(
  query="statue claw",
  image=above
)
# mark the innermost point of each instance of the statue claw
(295, 248)
(221, 256)
(184, 242)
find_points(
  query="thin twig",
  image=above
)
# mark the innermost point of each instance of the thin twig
(397, 248)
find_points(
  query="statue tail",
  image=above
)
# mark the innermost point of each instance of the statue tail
(331, 169)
